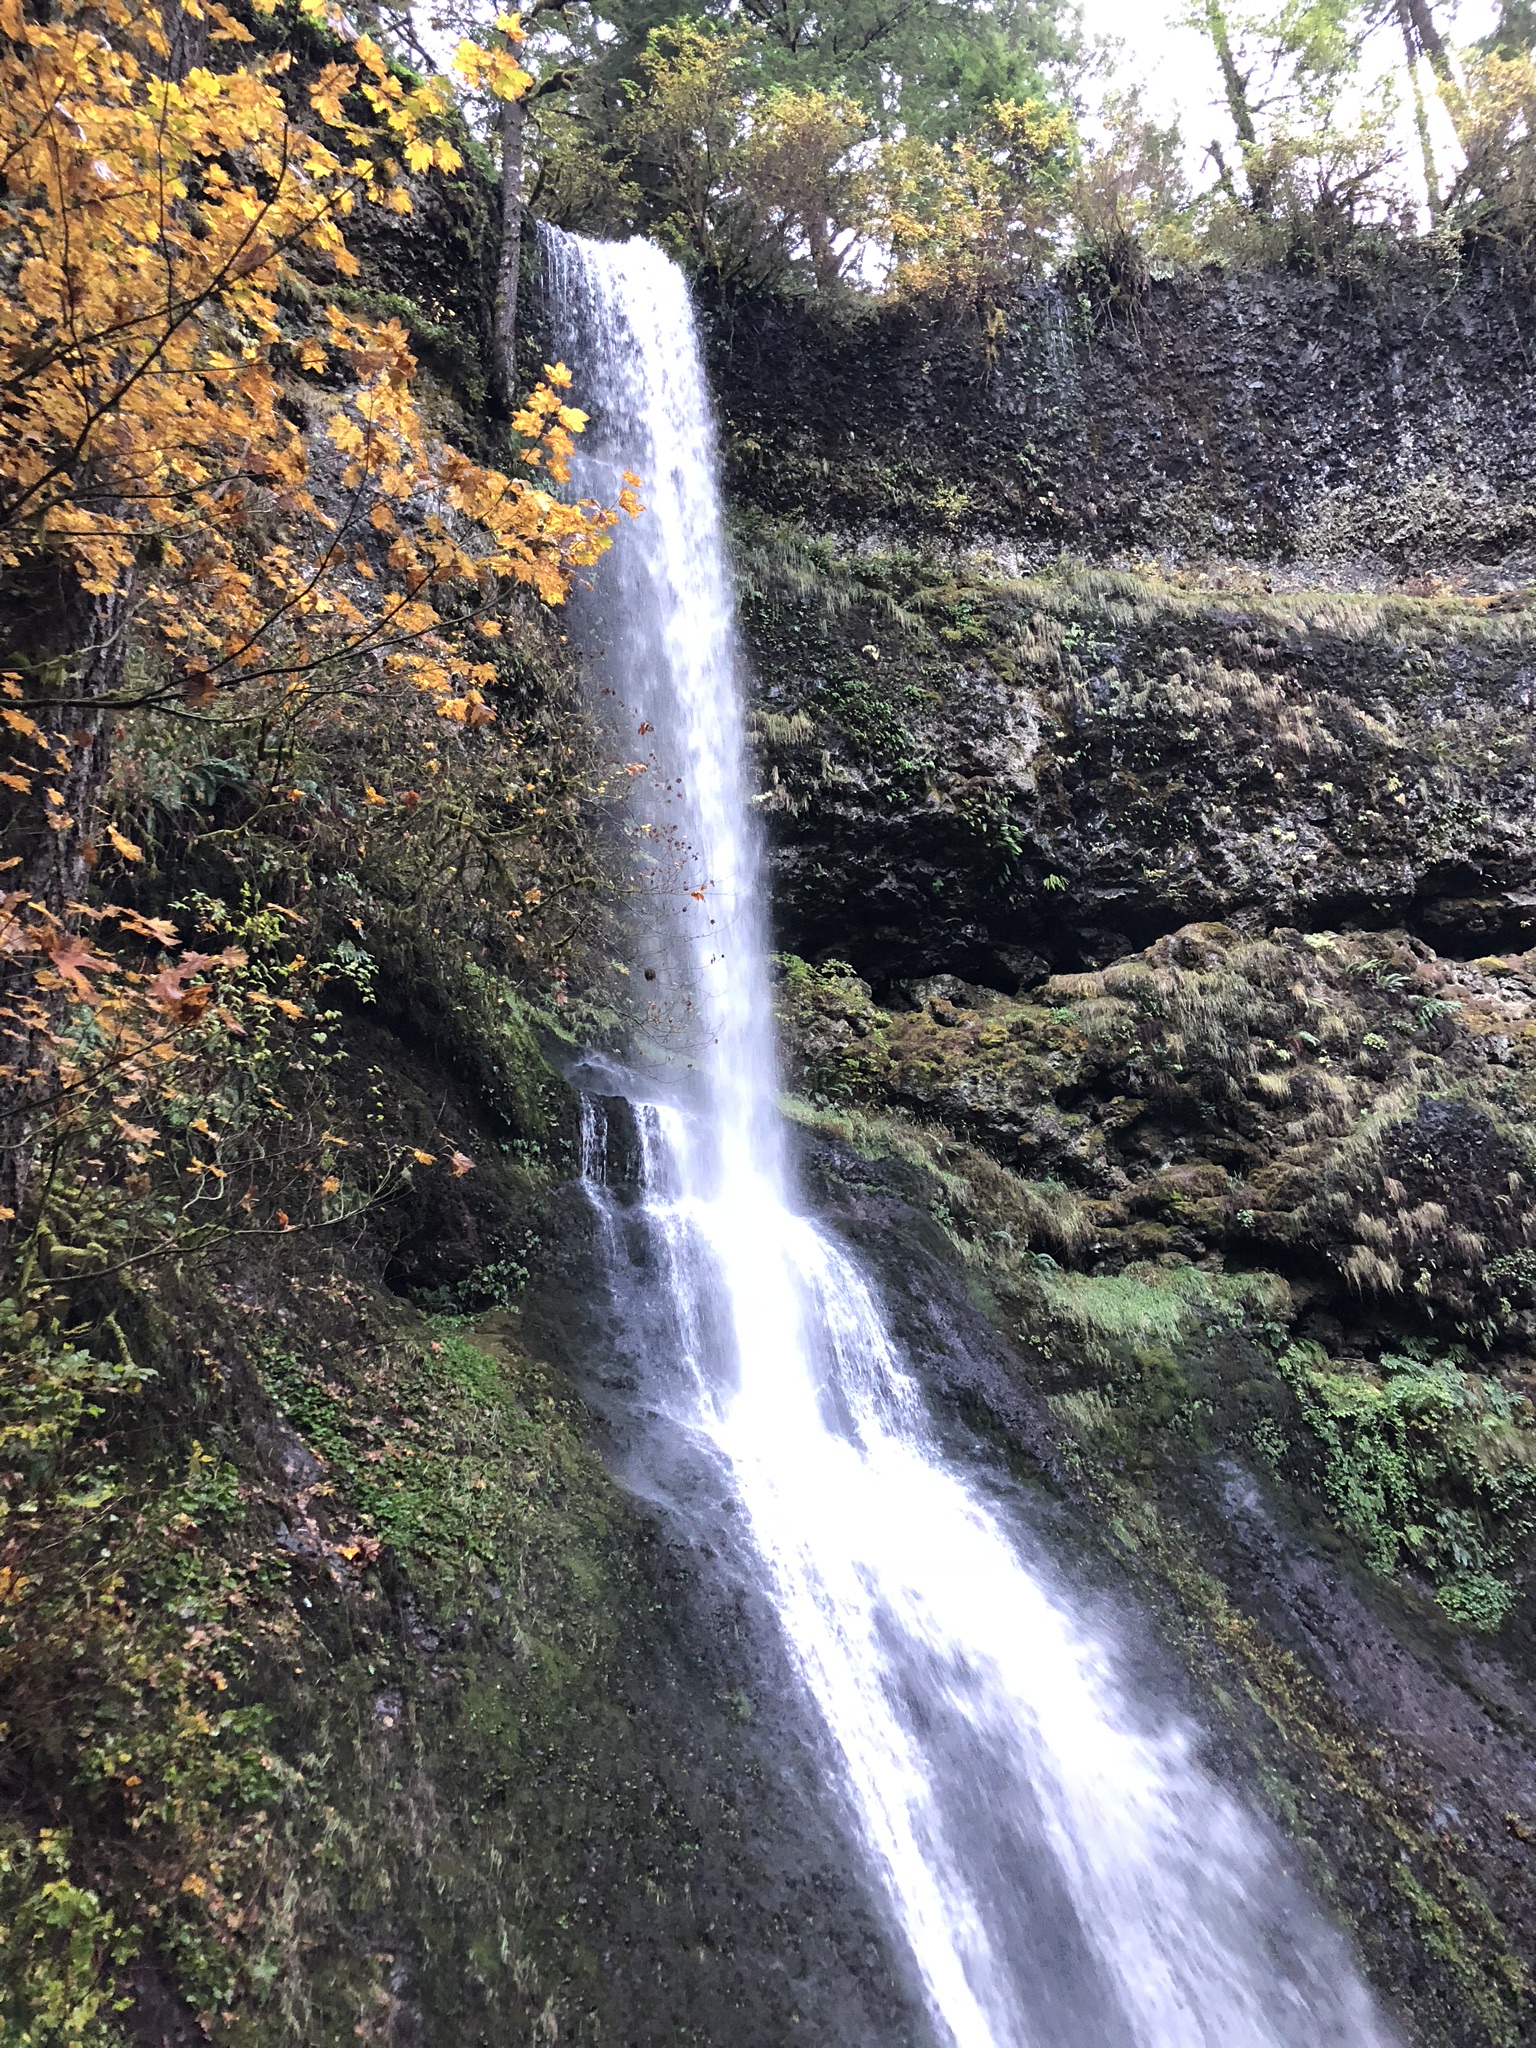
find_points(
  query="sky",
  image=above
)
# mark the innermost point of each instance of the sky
(1177, 70)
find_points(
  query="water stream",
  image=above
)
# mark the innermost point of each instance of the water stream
(1050, 1850)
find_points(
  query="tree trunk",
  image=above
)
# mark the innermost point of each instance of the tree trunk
(1427, 35)
(53, 866)
(823, 260)
(186, 38)
(1420, 112)
(1418, 20)
(510, 259)
(1235, 87)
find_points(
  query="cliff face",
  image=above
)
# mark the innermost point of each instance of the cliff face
(1302, 695)
(973, 774)
(1388, 416)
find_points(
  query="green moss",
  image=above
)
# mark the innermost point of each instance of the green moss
(466, 1449)
(60, 1949)
(1425, 1462)
(302, 1728)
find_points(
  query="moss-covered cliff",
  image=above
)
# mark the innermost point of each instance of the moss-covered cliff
(977, 774)
(1157, 917)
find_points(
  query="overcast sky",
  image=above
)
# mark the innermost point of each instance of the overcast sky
(1178, 71)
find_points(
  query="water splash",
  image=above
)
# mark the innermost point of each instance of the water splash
(1061, 1867)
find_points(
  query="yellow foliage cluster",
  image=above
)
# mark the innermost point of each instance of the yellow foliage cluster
(151, 227)
(494, 68)
(218, 492)
(963, 216)
(1494, 107)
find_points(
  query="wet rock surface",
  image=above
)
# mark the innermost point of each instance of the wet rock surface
(763, 1921)
(1244, 1219)
(1243, 413)
(966, 774)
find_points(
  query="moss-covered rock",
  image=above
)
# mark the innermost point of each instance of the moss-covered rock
(988, 777)
(1349, 1105)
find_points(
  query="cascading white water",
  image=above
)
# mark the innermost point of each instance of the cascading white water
(1063, 1870)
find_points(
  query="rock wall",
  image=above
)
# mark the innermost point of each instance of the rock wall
(989, 777)
(1189, 657)
(1262, 415)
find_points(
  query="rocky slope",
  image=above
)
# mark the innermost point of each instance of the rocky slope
(1249, 1221)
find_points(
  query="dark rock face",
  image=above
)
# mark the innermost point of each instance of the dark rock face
(1252, 414)
(975, 774)
(971, 775)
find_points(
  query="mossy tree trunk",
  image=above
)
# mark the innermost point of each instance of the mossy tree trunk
(1234, 83)
(514, 118)
(50, 834)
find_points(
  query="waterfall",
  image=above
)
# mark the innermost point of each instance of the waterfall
(1062, 1869)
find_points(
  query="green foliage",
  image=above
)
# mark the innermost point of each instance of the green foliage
(1493, 198)
(60, 1949)
(930, 69)
(455, 1447)
(49, 1387)
(1426, 1463)
(123, 1617)
(785, 149)
(1480, 1601)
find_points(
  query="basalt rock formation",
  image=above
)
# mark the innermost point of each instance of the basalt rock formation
(1251, 1219)
(988, 777)
(1252, 415)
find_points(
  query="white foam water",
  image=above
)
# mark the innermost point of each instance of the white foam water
(1062, 1868)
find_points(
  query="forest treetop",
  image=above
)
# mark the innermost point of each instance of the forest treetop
(940, 146)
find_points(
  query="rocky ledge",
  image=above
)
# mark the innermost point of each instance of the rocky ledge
(988, 776)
